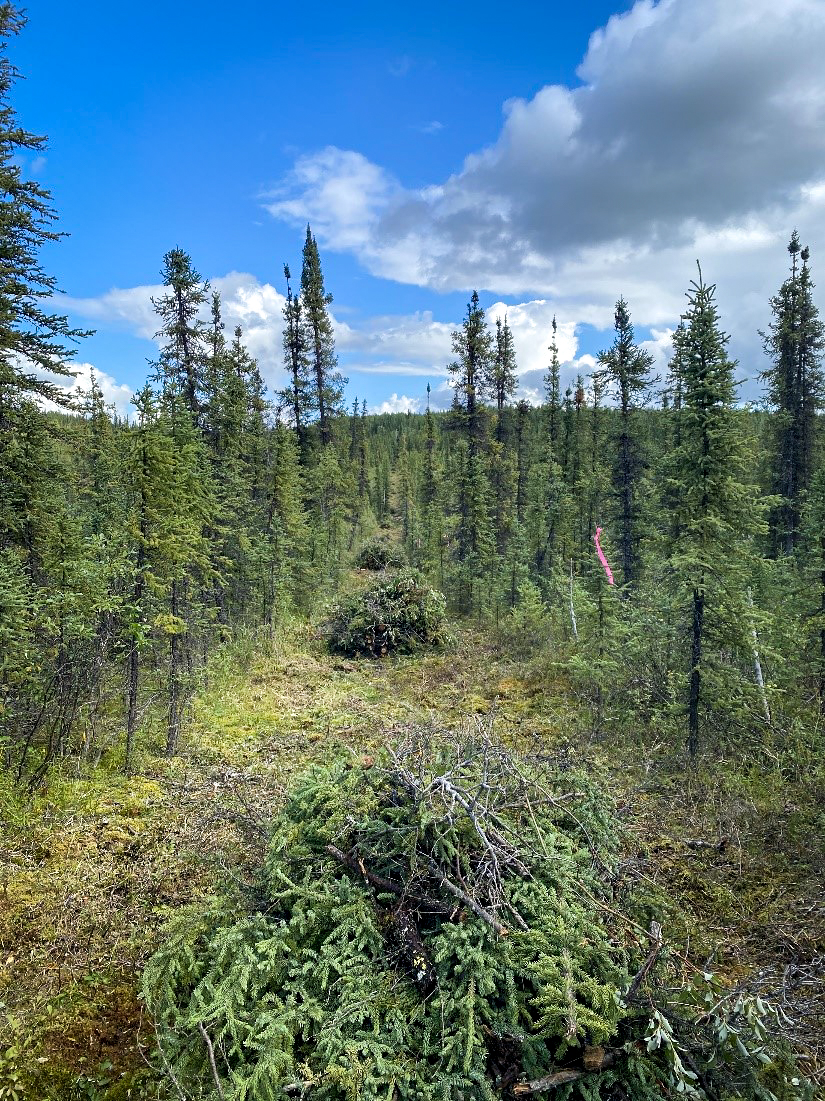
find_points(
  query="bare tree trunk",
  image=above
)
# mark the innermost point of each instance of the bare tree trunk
(695, 675)
(173, 726)
(822, 630)
(757, 668)
(572, 609)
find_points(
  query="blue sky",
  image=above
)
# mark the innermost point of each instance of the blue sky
(554, 156)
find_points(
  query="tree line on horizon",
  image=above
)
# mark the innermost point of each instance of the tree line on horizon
(128, 551)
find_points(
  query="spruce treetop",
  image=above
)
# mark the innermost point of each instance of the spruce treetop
(795, 343)
(31, 338)
(182, 359)
(625, 364)
(473, 347)
(328, 382)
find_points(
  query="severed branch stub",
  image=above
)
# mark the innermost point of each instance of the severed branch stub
(561, 1077)
(644, 970)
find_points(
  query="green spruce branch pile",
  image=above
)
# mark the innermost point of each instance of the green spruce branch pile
(378, 554)
(400, 612)
(446, 923)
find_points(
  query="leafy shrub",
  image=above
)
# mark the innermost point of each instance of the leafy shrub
(446, 925)
(378, 554)
(399, 612)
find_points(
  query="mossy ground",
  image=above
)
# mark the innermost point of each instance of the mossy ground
(92, 865)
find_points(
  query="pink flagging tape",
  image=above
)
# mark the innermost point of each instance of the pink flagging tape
(602, 558)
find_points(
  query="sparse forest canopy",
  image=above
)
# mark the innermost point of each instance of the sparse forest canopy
(138, 556)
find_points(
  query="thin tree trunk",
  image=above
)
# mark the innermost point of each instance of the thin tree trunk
(822, 630)
(695, 674)
(757, 668)
(173, 726)
(572, 609)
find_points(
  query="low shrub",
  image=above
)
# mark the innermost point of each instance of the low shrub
(399, 612)
(378, 554)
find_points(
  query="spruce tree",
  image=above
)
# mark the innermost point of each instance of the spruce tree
(550, 476)
(319, 339)
(522, 413)
(34, 496)
(796, 387)
(503, 377)
(719, 511)
(627, 368)
(183, 358)
(471, 371)
(32, 339)
(296, 396)
(148, 469)
(430, 501)
(552, 389)
(290, 581)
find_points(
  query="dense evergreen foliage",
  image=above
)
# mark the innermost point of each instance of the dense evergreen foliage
(399, 612)
(442, 924)
(378, 554)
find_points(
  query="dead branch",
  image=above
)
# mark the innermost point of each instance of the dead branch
(211, 1052)
(560, 1078)
(382, 884)
(479, 911)
(652, 956)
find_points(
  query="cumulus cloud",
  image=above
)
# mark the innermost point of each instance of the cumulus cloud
(698, 130)
(414, 345)
(115, 393)
(132, 307)
(339, 192)
(398, 404)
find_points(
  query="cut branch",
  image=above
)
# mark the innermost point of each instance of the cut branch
(558, 1078)
(652, 956)
(382, 884)
(211, 1052)
(479, 911)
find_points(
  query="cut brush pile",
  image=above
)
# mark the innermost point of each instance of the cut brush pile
(449, 922)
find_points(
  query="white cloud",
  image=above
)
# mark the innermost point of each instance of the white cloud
(339, 192)
(660, 346)
(698, 130)
(413, 345)
(131, 307)
(399, 404)
(115, 393)
(258, 308)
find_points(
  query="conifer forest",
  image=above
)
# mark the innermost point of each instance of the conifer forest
(467, 754)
